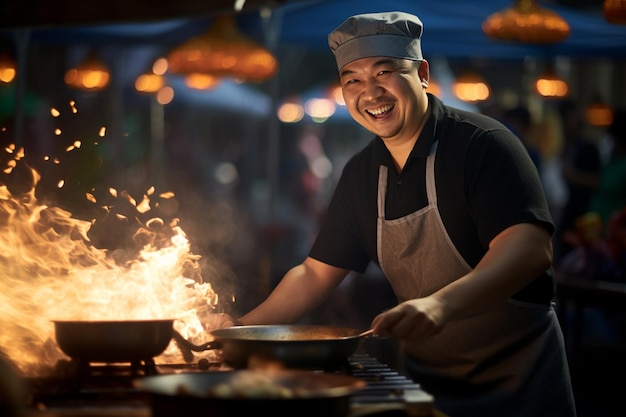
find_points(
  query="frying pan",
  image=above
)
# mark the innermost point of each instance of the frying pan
(317, 394)
(294, 346)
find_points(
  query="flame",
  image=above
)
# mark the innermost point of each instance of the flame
(51, 270)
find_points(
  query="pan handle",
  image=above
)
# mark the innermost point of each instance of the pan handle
(186, 347)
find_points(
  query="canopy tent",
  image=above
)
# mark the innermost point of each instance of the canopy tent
(453, 28)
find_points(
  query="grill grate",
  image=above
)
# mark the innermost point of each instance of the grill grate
(107, 388)
(387, 389)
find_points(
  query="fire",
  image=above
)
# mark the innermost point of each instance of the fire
(51, 270)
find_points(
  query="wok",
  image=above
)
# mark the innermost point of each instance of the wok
(113, 341)
(294, 346)
(316, 394)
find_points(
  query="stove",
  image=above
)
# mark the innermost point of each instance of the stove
(106, 390)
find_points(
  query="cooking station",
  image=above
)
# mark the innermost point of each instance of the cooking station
(103, 390)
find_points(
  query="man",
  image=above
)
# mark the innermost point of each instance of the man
(450, 206)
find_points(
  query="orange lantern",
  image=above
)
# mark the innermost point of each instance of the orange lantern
(615, 11)
(223, 51)
(526, 22)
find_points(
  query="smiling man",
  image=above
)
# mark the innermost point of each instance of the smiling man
(450, 206)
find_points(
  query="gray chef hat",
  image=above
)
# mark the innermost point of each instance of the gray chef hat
(392, 34)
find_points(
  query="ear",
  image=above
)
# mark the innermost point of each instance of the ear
(424, 73)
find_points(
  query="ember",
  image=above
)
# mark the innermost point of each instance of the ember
(51, 270)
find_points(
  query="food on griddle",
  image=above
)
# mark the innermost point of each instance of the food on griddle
(251, 386)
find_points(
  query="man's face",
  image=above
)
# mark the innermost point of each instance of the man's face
(386, 95)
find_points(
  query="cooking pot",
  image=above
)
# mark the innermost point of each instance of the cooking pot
(316, 394)
(294, 346)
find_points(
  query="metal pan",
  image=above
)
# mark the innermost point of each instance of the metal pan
(294, 346)
(188, 394)
(113, 341)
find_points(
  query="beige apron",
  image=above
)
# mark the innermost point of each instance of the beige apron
(506, 361)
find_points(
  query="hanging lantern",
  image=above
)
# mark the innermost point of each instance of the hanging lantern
(526, 22)
(8, 69)
(223, 51)
(614, 11)
(90, 75)
(471, 87)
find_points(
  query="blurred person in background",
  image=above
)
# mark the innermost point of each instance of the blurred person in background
(609, 198)
(580, 169)
(450, 206)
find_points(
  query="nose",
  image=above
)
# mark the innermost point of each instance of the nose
(372, 89)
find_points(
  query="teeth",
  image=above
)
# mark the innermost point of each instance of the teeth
(380, 110)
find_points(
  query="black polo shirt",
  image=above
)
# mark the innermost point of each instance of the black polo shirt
(485, 182)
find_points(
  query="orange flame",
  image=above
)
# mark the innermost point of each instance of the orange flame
(50, 270)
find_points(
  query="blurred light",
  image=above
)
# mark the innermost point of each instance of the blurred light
(470, 87)
(149, 83)
(223, 51)
(290, 112)
(549, 84)
(551, 87)
(614, 11)
(320, 108)
(165, 95)
(201, 81)
(90, 75)
(226, 173)
(160, 66)
(526, 22)
(8, 68)
(599, 114)
(321, 167)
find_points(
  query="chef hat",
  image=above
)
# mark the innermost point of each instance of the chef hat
(391, 34)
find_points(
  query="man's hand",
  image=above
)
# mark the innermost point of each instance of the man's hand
(416, 319)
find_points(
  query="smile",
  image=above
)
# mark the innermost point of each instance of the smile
(380, 110)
